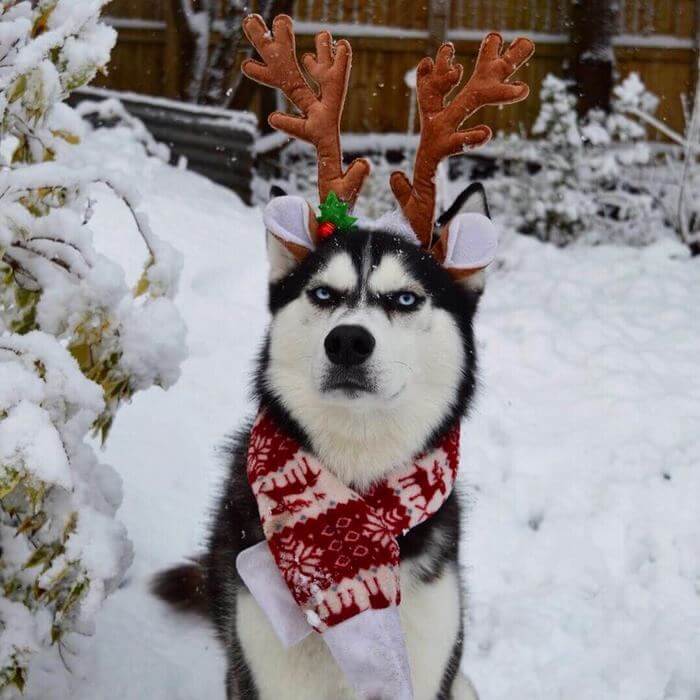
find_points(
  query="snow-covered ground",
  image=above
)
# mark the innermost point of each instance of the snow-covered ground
(581, 459)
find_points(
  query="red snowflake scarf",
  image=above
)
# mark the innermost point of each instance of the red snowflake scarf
(337, 549)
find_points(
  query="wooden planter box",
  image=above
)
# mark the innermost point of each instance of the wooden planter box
(217, 143)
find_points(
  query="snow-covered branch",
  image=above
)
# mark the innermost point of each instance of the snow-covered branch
(75, 343)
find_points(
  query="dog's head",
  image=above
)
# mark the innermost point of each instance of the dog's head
(370, 348)
(370, 345)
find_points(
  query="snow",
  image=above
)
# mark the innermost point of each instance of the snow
(410, 79)
(631, 93)
(237, 119)
(477, 35)
(147, 361)
(135, 23)
(27, 435)
(45, 417)
(111, 109)
(580, 458)
(350, 29)
(598, 182)
(653, 41)
(582, 545)
(66, 24)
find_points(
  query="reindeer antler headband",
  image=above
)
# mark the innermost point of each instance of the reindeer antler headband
(440, 120)
(319, 123)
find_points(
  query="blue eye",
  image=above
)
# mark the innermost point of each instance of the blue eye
(402, 301)
(323, 296)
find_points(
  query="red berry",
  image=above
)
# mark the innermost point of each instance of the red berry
(325, 229)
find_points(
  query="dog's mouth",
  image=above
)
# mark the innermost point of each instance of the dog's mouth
(347, 383)
(350, 389)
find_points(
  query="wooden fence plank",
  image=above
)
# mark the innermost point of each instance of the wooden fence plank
(145, 61)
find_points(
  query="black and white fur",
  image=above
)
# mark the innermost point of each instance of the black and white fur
(361, 419)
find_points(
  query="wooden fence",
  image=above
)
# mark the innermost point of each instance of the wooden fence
(656, 38)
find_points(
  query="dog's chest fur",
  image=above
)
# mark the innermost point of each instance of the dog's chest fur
(430, 616)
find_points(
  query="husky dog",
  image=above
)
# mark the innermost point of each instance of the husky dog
(368, 362)
(369, 358)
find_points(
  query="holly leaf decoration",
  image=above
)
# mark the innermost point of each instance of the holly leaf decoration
(335, 211)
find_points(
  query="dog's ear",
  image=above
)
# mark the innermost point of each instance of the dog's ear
(291, 226)
(468, 239)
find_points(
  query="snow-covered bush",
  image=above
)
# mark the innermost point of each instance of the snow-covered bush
(587, 184)
(75, 342)
(675, 186)
(558, 209)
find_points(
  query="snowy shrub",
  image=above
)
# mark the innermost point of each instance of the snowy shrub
(587, 184)
(75, 342)
(558, 210)
(675, 184)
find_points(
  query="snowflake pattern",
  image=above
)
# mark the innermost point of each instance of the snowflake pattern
(268, 448)
(298, 564)
(378, 530)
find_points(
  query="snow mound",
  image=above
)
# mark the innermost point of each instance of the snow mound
(582, 457)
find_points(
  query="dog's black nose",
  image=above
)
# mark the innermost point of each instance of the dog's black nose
(349, 345)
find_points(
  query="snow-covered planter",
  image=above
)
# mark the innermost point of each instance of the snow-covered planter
(75, 342)
(215, 142)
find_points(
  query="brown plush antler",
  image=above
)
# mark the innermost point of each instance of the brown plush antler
(319, 124)
(440, 135)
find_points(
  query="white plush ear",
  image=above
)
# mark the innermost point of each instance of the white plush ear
(291, 223)
(290, 219)
(469, 242)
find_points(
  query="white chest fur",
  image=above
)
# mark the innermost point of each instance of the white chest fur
(430, 615)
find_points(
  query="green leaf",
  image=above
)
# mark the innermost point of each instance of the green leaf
(9, 481)
(17, 89)
(334, 210)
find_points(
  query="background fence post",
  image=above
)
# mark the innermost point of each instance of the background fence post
(594, 24)
(696, 62)
(438, 22)
(179, 49)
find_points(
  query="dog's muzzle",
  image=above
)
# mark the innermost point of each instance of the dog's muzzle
(348, 348)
